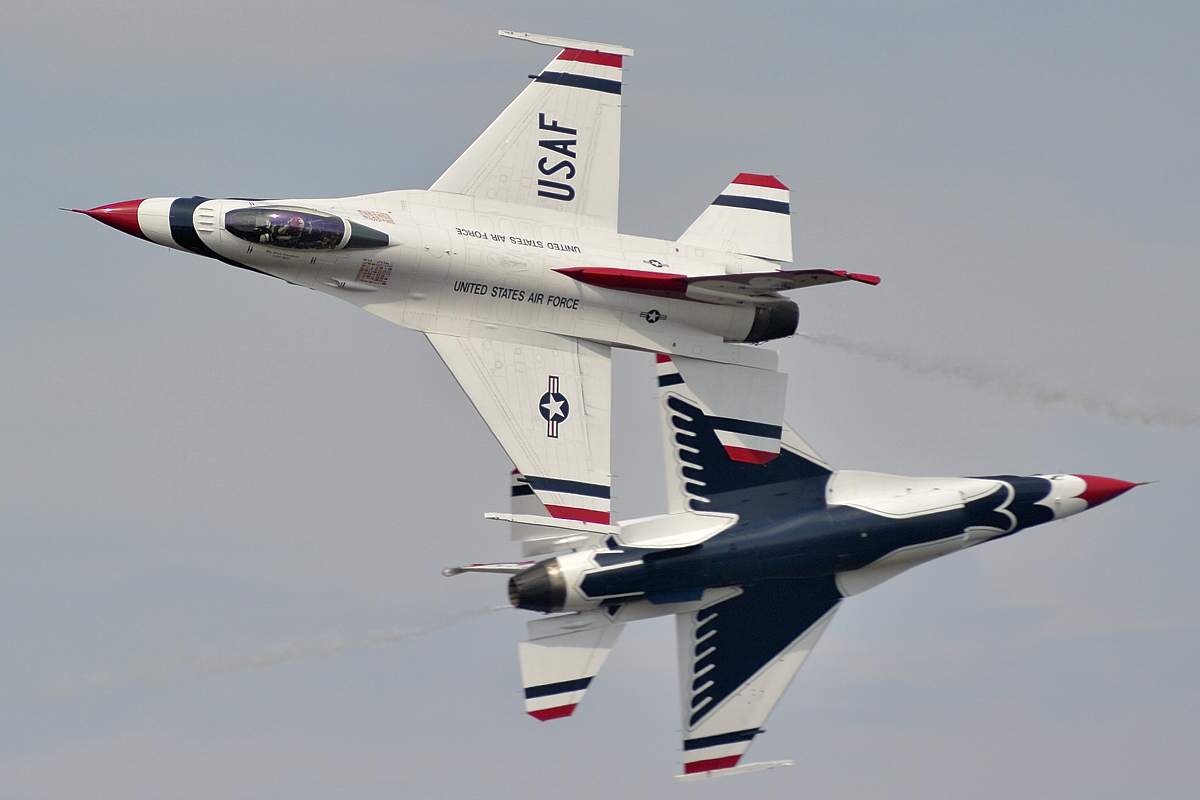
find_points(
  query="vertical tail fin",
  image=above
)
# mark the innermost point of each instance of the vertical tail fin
(560, 659)
(719, 435)
(752, 217)
(537, 540)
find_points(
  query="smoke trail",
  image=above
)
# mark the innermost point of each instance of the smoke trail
(1010, 386)
(200, 665)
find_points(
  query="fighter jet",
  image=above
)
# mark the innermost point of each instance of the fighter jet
(753, 559)
(512, 266)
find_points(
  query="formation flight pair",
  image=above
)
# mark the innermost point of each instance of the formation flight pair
(512, 266)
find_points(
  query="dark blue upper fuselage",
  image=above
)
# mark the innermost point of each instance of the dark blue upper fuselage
(809, 539)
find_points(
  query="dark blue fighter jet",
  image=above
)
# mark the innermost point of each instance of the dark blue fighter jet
(753, 561)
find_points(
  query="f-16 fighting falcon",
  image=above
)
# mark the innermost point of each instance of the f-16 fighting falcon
(512, 266)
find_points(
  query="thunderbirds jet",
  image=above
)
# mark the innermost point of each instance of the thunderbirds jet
(512, 266)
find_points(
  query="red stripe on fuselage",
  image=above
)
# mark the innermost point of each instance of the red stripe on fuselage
(767, 181)
(748, 456)
(590, 57)
(579, 514)
(710, 764)
(547, 714)
(661, 284)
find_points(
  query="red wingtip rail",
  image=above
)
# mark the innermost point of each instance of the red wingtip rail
(873, 280)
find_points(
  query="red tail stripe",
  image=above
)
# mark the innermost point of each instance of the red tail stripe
(710, 764)
(580, 514)
(768, 181)
(748, 456)
(590, 57)
(659, 358)
(558, 712)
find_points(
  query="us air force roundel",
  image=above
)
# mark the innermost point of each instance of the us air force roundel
(554, 408)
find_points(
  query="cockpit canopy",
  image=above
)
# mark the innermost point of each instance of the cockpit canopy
(290, 228)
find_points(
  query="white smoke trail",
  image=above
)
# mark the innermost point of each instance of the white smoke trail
(201, 665)
(1011, 386)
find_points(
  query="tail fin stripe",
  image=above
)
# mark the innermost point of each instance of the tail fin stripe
(562, 687)
(710, 765)
(756, 203)
(767, 181)
(579, 514)
(590, 57)
(569, 487)
(580, 82)
(745, 426)
(747, 456)
(721, 738)
(547, 714)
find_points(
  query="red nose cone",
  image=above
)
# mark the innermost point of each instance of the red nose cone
(122, 216)
(1100, 490)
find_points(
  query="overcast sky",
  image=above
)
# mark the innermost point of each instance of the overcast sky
(225, 501)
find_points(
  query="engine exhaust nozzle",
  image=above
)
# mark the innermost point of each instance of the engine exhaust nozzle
(539, 588)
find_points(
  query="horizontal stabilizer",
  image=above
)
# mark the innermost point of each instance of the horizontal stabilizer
(560, 659)
(673, 530)
(752, 216)
(539, 533)
(724, 289)
(533, 520)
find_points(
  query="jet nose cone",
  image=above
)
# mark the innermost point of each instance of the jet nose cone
(1101, 490)
(122, 216)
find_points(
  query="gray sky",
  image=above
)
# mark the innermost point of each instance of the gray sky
(225, 501)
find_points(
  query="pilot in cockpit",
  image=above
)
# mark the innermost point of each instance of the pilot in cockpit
(289, 232)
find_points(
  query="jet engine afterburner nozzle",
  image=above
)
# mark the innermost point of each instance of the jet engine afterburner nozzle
(774, 321)
(539, 588)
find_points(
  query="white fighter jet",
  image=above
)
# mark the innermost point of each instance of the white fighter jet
(511, 264)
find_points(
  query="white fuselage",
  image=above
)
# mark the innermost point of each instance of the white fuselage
(462, 266)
